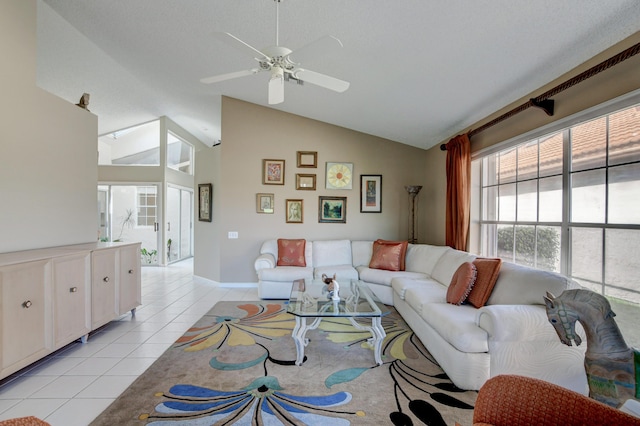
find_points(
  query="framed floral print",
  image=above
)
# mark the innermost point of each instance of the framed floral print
(307, 159)
(264, 203)
(204, 202)
(339, 175)
(332, 209)
(306, 181)
(370, 193)
(294, 211)
(273, 172)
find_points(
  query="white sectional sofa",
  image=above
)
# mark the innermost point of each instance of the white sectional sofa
(509, 335)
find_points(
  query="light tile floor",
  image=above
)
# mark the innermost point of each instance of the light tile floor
(72, 386)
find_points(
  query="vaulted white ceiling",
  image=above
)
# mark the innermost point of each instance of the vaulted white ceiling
(420, 70)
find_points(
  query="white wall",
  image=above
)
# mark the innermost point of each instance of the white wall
(48, 151)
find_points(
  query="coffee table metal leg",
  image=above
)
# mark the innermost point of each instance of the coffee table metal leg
(377, 335)
(299, 335)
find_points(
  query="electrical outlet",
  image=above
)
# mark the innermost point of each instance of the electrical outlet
(233, 235)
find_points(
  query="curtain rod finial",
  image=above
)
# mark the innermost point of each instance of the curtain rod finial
(443, 147)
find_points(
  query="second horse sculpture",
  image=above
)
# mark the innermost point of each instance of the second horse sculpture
(611, 365)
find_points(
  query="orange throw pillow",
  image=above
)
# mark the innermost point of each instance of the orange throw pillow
(461, 283)
(291, 252)
(388, 255)
(487, 275)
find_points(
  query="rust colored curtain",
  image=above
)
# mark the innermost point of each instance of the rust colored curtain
(458, 191)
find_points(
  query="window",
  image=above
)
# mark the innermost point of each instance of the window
(146, 205)
(567, 201)
(179, 154)
(134, 146)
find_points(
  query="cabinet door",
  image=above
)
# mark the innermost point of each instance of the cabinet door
(104, 282)
(25, 308)
(72, 298)
(130, 284)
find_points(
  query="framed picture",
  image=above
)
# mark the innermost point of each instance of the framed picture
(294, 211)
(264, 203)
(332, 209)
(370, 193)
(306, 182)
(273, 172)
(307, 159)
(339, 175)
(204, 202)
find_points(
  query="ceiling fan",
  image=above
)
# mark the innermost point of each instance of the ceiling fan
(283, 64)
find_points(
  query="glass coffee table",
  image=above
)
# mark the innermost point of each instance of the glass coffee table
(310, 299)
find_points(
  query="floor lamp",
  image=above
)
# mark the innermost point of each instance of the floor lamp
(413, 193)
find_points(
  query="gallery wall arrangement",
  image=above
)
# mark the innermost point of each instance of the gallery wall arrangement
(338, 176)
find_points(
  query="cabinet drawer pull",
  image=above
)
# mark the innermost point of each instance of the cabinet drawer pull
(27, 304)
(105, 279)
(73, 289)
(131, 271)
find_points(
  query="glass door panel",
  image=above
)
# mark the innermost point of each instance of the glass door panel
(179, 224)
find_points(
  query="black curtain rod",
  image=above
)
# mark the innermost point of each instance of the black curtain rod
(543, 102)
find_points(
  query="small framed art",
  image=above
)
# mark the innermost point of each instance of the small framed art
(370, 193)
(273, 172)
(264, 203)
(204, 202)
(339, 176)
(332, 209)
(294, 211)
(306, 182)
(307, 159)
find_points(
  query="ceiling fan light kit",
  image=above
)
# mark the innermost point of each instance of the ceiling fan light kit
(277, 60)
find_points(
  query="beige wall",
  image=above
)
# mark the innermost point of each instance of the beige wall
(616, 81)
(251, 133)
(48, 148)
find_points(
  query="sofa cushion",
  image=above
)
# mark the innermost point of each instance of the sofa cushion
(331, 252)
(361, 252)
(389, 255)
(522, 285)
(401, 284)
(487, 274)
(343, 273)
(448, 264)
(384, 277)
(291, 252)
(428, 291)
(423, 257)
(461, 284)
(456, 325)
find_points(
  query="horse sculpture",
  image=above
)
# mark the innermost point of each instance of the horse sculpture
(612, 367)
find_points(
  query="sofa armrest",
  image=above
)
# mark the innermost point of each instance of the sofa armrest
(516, 323)
(265, 261)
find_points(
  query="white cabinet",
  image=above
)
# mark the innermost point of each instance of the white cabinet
(51, 297)
(71, 298)
(24, 311)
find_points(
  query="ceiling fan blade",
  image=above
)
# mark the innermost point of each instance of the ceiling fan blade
(321, 80)
(236, 43)
(276, 89)
(229, 76)
(315, 49)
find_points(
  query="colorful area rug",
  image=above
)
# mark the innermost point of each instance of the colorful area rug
(236, 365)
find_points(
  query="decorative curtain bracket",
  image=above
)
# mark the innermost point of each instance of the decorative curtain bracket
(546, 105)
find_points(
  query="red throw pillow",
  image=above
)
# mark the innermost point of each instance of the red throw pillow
(388, 255)
(487, 275)
(291, 252)
(461, 283)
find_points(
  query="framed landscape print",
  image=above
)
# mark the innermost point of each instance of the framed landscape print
(307, 159)
(264, 203)
(204, 202)
(332, 209)
(339, 176)
(370, 193)
(273, 172)
(306, 182)
(294, 211)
